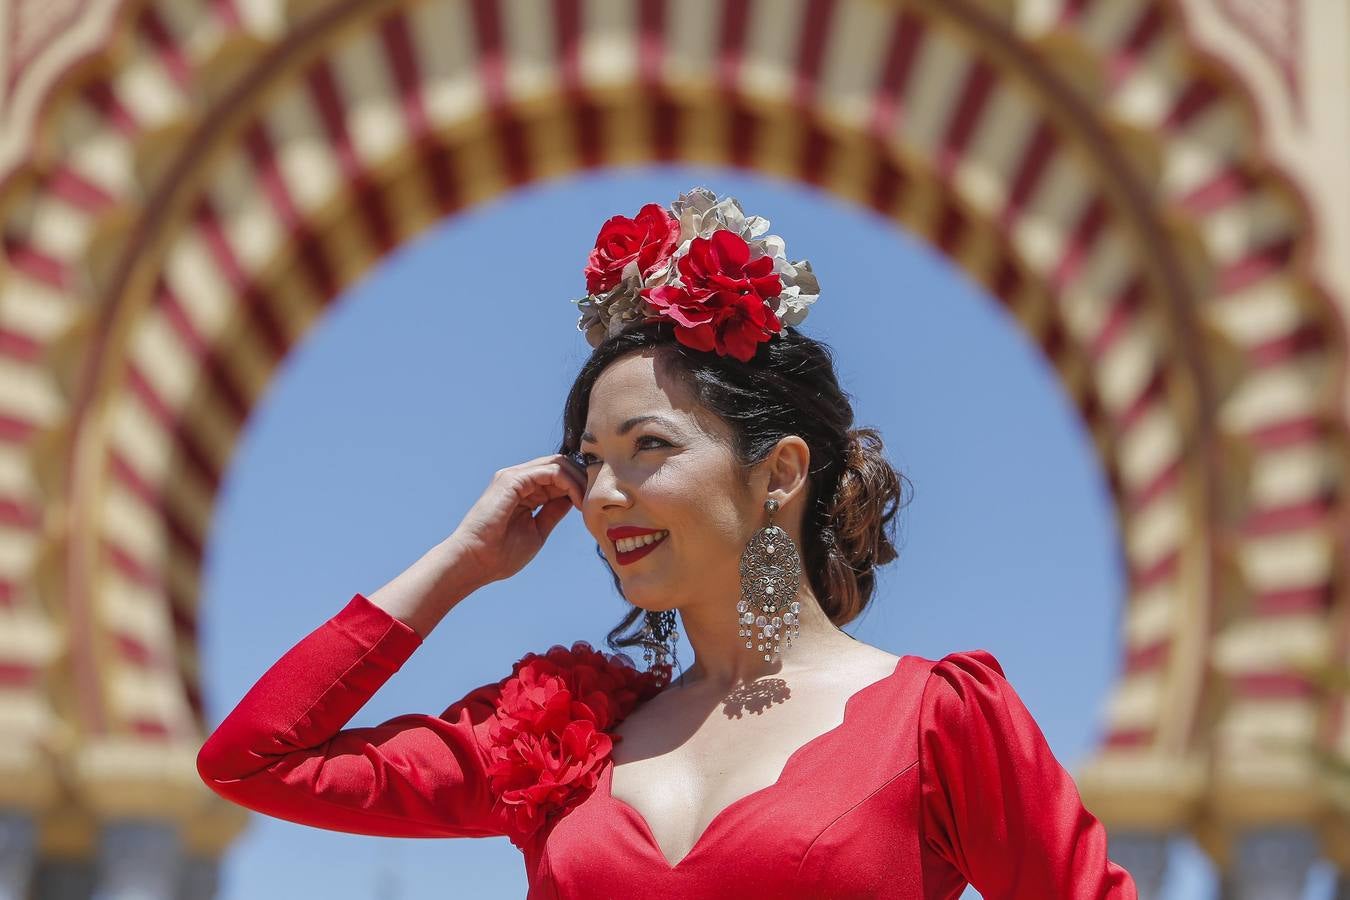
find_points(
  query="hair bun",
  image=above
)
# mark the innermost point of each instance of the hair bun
(856, 448)
(866, 500)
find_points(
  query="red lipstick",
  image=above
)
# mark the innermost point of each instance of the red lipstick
(626, 557)
(623, 531)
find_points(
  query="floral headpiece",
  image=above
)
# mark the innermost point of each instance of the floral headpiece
(703, 265)
(548, 741)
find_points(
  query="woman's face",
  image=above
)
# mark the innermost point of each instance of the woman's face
(673, 473)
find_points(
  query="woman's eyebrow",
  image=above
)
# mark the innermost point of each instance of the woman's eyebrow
(628, 424)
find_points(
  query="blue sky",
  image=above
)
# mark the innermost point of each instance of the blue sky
(452, 358)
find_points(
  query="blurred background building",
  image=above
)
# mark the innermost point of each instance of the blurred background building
(1157, 190)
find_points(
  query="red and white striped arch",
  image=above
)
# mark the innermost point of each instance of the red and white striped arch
(248, 159)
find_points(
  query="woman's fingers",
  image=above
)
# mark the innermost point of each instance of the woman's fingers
(552, 479)
(495, 533)
(570, 480)
(551, 514)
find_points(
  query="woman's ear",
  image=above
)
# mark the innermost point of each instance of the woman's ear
(788, 467)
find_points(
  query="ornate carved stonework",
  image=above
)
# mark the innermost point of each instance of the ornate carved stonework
(1274, 27)
(40, 42)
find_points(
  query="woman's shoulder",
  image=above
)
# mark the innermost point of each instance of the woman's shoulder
(556, 704)
(956, 659)
(593, 667)
(978, 663)
(592, 683)
(969, 691)
(963, 678)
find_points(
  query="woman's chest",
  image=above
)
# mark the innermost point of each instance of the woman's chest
(678, 777)
(842, 815)
(682, 759)
(852, 837)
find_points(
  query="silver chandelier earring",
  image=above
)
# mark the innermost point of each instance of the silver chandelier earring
(771, 574)
(659, 628)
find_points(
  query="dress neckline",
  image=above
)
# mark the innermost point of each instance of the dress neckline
(607, 778)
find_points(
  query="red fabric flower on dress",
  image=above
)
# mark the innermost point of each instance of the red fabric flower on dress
(548, 740)
(723, 304)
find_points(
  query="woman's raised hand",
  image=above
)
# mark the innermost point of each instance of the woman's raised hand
(502, 532)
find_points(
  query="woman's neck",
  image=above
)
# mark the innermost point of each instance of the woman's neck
(722, 661)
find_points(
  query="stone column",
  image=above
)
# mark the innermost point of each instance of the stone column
(63, 878)
(1144, 855)
(18, 841)
(139, 859)
(200, 878)
(1270, 864)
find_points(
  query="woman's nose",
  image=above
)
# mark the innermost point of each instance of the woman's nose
(605, 488)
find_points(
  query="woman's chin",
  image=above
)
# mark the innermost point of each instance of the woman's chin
(647, 601)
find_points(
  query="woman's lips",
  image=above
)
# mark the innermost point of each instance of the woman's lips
(625, 558)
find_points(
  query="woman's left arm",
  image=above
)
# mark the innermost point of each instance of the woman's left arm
(996, 802)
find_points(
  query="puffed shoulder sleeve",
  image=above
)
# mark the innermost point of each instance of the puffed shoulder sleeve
(996, 804)
(283, 750)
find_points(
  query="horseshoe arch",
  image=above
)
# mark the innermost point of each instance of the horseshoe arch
(206, 177)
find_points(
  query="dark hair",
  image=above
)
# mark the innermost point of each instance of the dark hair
(789, 387)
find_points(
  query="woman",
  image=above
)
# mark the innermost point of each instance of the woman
(711, 452)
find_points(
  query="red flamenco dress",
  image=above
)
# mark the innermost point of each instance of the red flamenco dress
(937, 777)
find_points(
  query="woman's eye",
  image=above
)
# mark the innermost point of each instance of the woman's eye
(587, 459)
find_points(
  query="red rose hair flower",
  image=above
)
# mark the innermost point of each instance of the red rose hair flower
(704, 266)
(548, 740)
(645, 242)
(723, 304)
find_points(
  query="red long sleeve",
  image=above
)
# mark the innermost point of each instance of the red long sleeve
(283, 750)
(997, 804)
